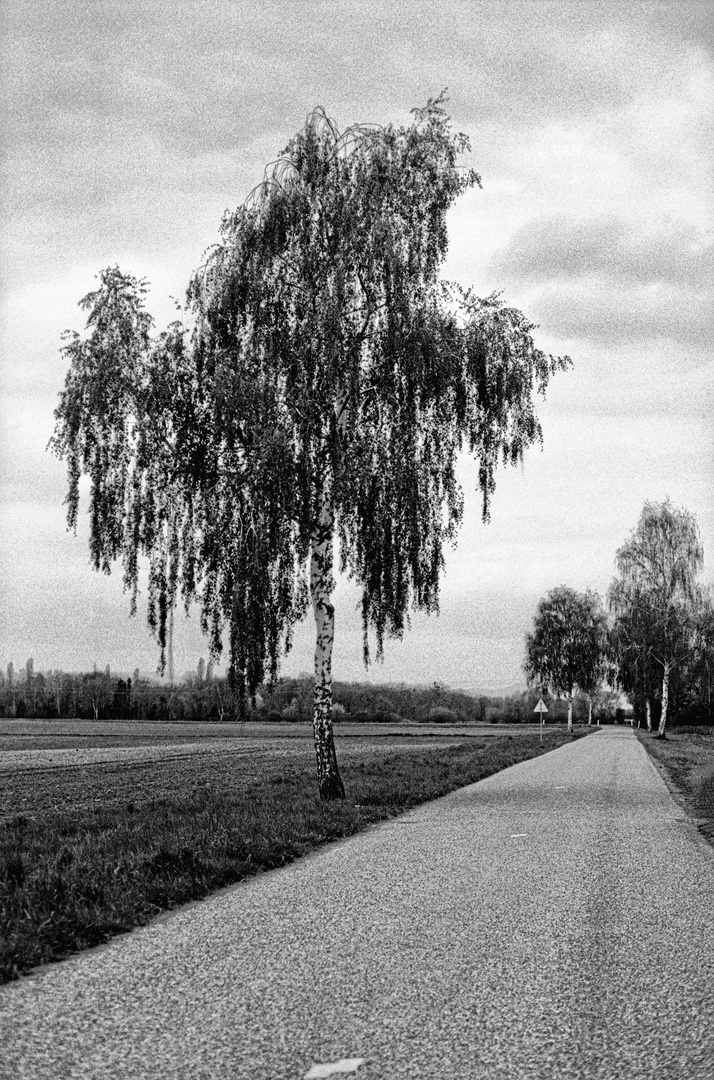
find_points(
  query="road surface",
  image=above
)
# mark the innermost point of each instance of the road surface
(553, 921)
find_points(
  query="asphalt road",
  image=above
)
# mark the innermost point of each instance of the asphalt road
(555, 920)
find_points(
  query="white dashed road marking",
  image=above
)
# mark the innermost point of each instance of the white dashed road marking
(332, 1068)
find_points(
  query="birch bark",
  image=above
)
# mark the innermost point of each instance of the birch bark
(321, 586)
(570, 712)
(665, 696)
(648, 712)
(170, 643)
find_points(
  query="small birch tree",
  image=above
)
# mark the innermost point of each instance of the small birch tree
(57, 683)
(565, 651)
(11, 685)
(657, 589)
(315, 409)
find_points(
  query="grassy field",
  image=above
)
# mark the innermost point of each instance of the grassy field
(52, 734)
(92, 848)
(687, 757)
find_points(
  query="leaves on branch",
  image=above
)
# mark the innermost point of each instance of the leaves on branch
(327, 365)
(656, 596)
(567, 646)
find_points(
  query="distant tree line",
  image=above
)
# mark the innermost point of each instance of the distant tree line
(435, 704)
(203, 696)
(99, 695)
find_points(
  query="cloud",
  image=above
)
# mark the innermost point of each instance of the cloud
(199, 79)
(608, 278)
(122, 116)
(626, 252)
(606, 314)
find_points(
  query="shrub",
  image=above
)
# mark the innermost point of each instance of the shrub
(439, 714)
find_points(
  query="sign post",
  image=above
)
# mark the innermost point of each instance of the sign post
(541, 708)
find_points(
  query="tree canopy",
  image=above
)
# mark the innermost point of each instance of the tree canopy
(320, 390)
(634, 668)
(565, 651)
(657, 595)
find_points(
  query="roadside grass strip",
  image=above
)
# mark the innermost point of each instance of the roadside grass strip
(73, 877)
(687, 756)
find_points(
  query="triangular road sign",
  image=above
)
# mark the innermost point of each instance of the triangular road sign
(540, 707)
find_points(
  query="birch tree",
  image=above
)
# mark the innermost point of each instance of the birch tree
(311, 411)
(566, 648)
(57, 682)
(658, 590)
(635, 670)
(594, 666)
(30, 684)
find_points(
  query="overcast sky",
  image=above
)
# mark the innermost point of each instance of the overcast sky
(130, 128)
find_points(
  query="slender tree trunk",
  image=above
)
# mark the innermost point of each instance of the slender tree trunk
(171, 645)
(665, 697)
(590, 711)
(648, 712)
(570, 713)
(321, 585)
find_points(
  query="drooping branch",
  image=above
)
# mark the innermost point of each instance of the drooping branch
(328, 365)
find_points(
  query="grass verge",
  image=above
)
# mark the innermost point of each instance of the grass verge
(72, 878)
(687, 757)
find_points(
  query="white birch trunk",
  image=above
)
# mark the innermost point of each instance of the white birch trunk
(321, 586)
(570, 713)
(665, 697)
(648, 713)
(220, 706)
(590, 711)
(171, 645)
